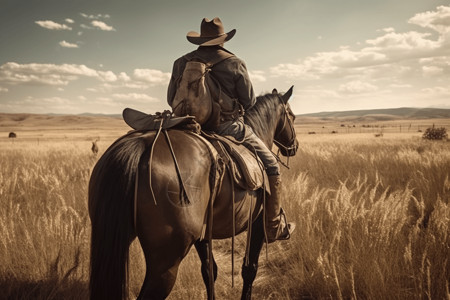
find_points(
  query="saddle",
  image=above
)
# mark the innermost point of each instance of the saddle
(141, 121)
(245, 167)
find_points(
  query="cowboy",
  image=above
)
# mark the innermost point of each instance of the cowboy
(235, 82)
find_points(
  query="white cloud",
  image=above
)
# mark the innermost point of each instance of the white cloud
(69, 21)
(387, 29)
(47, 74)
(105, 101)
(65, 44)
(357, 87)
(53, 100)
(98, 16)
(399, 86)
(107, 76)
(440, 64)
(44, 104)
(124, 76)
(430, 71)
(151, 76)
(437, 91)
(53, 25)
(135, 97)
(102, 26)
(395, 52)
(325, 64)
(3, 90)
(15, 74)
(400, 46)
(257, 76)
(438, 20)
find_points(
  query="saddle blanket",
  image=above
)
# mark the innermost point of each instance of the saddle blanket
(245, 166)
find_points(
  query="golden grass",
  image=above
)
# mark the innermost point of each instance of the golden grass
(372, 218)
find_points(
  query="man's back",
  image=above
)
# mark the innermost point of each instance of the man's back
(231, 73)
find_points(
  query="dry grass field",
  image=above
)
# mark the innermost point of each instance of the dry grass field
(372, 214)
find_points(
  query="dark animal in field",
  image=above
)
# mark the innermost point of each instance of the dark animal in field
(94, 147)
(12, 135)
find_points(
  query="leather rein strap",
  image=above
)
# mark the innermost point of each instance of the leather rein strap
(288, 121)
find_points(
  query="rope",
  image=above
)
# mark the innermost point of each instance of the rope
(210, 251)
(177, 168)
(136, 183)
(150, 161)
(234, 226)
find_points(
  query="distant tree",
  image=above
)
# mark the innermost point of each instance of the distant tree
(433, 133)
(12, 135)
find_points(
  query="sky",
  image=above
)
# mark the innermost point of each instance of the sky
(98, 56)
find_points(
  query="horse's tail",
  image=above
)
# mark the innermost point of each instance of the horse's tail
(111, 194)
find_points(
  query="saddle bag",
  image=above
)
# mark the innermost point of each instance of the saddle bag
(199, 94)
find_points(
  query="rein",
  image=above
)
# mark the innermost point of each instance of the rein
(288, 149)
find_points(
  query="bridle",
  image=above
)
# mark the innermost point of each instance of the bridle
(292, 142)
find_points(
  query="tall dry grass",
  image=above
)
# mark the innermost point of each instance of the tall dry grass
(372, 220)
(43, 220)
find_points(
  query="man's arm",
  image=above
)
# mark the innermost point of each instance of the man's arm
(177, 71)
(171, 90)
(244, 87)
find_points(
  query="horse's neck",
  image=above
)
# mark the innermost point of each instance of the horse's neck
(263, 119)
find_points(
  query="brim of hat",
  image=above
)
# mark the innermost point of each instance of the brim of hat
(195, 38)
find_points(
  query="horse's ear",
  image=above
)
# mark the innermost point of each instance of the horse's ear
(287, 95)
(274, 91)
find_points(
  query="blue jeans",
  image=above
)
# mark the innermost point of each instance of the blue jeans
(238, 129)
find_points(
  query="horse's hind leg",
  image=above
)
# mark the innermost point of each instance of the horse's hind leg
(202, 248)
(249, 270)
(157, 286)
(161, 274)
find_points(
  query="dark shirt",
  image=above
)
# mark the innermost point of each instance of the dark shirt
(231, 73)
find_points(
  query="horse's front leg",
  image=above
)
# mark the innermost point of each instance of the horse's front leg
(202, 248)
(249, 270)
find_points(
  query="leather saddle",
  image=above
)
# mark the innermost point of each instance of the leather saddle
(141, 121)
(245, 166)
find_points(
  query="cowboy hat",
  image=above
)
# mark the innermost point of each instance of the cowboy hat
(211, 33)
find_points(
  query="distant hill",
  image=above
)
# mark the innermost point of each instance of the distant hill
(117, 116)
(381, 114)
(40, 121)
(88, 120)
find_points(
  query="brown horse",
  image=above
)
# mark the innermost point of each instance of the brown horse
(136, 190)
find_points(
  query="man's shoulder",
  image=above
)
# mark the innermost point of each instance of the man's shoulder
(187, 56)
(235, 59)
(211, 54)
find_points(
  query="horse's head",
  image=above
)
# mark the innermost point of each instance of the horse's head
(285, 136)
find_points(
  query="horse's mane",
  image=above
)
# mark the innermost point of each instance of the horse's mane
(260, 117)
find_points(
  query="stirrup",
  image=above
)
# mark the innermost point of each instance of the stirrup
(283, 229)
